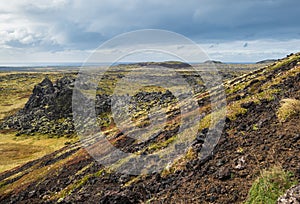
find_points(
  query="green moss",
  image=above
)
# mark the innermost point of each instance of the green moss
(132, 181)
(270, 185)
(161, 145)
(283, 76)
(117, 165)
(212, 119)
(102, 172)
(235, 88)
(70, 188)
(284, 62)
(81, 171)
(151, 200)
(79, 183)
(2, 183)
(235, 109)
(255, 127)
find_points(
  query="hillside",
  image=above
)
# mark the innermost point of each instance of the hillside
(257, 136)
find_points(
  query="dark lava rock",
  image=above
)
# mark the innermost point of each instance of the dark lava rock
(220, 162)
(248, 105)
(223, 173)
(48, 110)
(115, 198)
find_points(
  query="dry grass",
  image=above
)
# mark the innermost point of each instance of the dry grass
(11, 108)
(19, 150)
(15, 89)
(289, 108)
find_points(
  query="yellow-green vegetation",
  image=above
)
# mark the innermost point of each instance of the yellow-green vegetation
(239, 85)
(240, 150)
(281, 77)
(255, 127)
(289, 108)
(270, 185)
(285, 61)
(160, 145)
(79, 183)
(235, 109)
(212, 119)
(19, 150)
(179, 163)
(133, 180)
(104, 119)
(245, 80)
(151, 200)
(70, 188)
(81, 171)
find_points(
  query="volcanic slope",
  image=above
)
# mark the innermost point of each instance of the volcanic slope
(254, 138)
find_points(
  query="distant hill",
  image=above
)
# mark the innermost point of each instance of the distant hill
(169, 64)
(213, 62)
(266, 61)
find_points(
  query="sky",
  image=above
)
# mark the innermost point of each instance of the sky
(60, 31)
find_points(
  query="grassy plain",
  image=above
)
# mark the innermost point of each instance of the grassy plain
(15, 89)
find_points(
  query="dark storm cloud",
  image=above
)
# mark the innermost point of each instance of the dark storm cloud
(83, 24)
(233, 19)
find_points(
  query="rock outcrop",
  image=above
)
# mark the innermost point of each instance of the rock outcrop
(48, 110)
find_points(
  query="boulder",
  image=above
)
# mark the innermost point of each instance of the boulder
(292, 195)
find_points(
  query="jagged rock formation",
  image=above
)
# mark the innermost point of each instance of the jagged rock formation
(48, 110)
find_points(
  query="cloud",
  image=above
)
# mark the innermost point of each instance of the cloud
(82, 25)
(234, 51)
